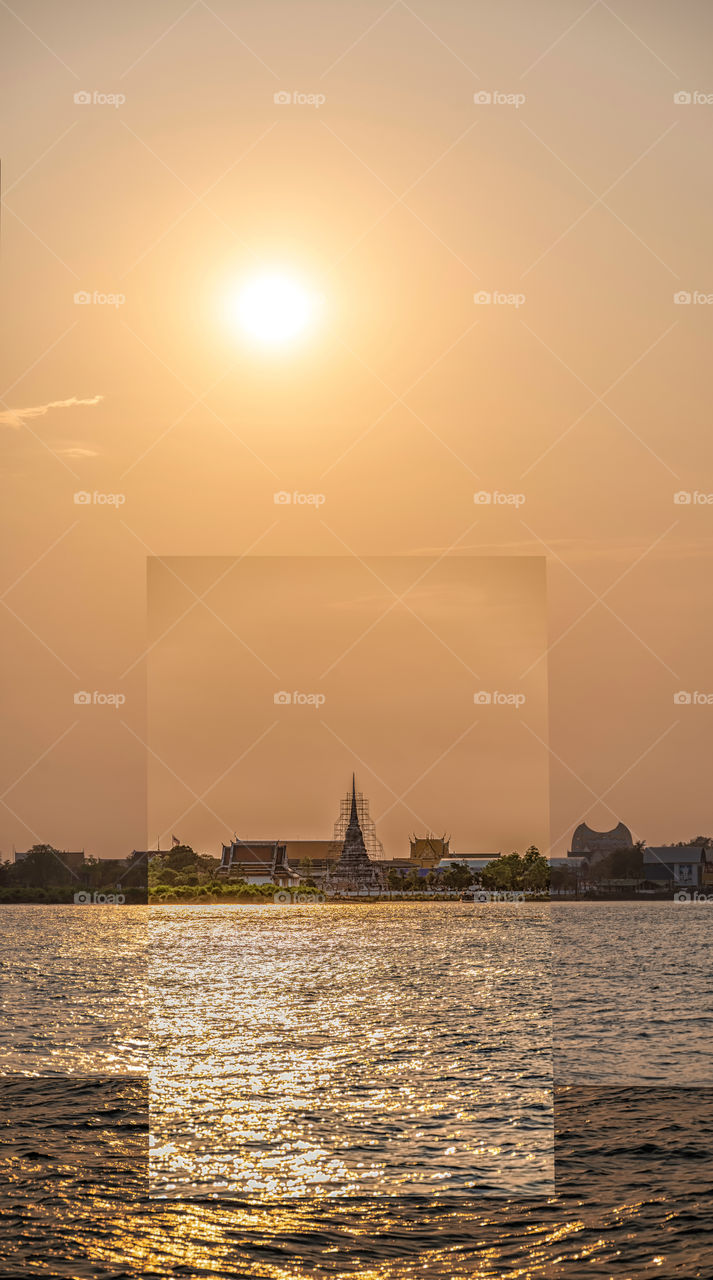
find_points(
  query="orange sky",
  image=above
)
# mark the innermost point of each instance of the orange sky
(398, 198)
(386, 656)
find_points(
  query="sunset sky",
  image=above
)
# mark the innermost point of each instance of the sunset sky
(581, 192)
(386, 656)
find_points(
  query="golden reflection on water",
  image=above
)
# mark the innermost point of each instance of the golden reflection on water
(384, 1051)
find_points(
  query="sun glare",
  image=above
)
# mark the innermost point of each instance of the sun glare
(275, 308)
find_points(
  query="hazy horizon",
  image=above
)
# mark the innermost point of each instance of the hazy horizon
(577, 200)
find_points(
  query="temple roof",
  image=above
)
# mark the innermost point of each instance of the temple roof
(585, 840)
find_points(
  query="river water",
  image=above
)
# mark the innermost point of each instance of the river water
(355, 1090)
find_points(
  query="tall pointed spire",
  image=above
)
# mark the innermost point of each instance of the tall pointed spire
(354, 867)
(354, 816)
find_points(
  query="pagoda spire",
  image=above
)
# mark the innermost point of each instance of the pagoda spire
(354, 868)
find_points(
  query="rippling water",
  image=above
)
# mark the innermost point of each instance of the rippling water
(390, 1049)
(356, 1090)
(634, 1186)
(632, 992)
(73, 989)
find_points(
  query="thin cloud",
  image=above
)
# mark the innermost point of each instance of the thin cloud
(76, 451)
(16, 417)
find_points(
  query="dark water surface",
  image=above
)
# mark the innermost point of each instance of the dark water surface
(634, 1186)
(356, 1091)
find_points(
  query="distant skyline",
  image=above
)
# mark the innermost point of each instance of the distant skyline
(152, 167)
(387, 656)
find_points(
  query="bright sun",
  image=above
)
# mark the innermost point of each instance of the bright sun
(275, 307)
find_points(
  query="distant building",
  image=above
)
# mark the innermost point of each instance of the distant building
(594, 845)
(675, 866)
(372, 843)
(256, 862)
(428, 851)
(474, 862)
(355, 869)
(313, 859)
(72, 860)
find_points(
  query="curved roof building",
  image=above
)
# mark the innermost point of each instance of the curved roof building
(596, 844)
